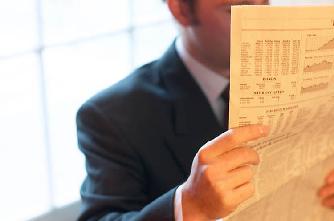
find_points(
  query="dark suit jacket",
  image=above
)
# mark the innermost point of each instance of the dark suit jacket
(139, 138)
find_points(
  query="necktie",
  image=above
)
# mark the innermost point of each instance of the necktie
(225, 96)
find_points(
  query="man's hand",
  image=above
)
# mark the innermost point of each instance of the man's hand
(221, 175)
(326, 192)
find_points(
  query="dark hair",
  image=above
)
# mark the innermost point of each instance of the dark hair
(191, 2)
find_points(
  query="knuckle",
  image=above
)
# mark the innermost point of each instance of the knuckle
(207, 173)
(201, 157)
(208, 178)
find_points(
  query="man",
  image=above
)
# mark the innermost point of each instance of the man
(146, 138)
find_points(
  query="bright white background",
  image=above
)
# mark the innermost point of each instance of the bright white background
(54, 54)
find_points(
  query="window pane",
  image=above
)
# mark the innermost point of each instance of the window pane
(18, 30)
(24, 183)
(150, 43)
(66, 20)
(74, 73)
(149, 11)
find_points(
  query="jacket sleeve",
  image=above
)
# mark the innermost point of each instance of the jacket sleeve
(115, 187)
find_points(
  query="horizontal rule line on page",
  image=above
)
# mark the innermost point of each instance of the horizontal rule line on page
(297, 102)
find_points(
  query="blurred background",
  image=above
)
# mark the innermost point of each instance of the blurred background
(54, 54)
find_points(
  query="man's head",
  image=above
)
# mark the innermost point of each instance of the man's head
(205, 29)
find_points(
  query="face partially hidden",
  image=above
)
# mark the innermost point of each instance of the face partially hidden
(208, 38)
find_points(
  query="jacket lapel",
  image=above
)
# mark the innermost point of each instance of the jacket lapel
(194, 122)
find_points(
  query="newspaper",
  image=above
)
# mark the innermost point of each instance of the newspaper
(282, 75)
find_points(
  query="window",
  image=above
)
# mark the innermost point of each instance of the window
(55, 54)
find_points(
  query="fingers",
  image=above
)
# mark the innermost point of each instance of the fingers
(237, 178)
(221, 173)
(328, 202)
(326, 191)
(238, 196)
(236, 158)
(244, 192)
(231, 139)
(330, 178)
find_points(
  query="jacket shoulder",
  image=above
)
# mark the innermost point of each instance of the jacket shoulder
(141, 96)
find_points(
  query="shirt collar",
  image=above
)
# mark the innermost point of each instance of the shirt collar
(211, 83)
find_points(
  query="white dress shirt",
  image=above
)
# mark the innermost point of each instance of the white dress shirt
(212, 84)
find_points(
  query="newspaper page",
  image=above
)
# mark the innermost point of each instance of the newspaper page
(282, 75)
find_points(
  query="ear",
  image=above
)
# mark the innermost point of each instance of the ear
(181, 11)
